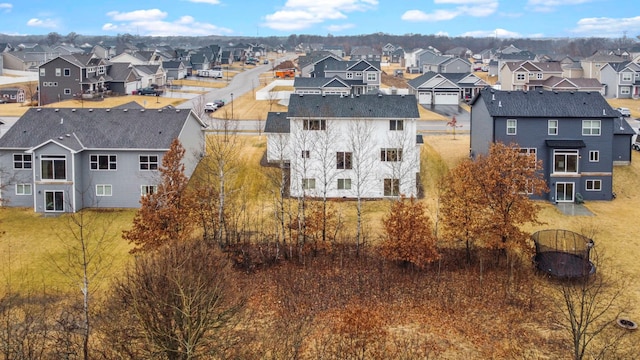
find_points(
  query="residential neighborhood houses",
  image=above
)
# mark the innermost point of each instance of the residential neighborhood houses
(557, 102)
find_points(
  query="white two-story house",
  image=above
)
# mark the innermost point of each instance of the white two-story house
(347, 146)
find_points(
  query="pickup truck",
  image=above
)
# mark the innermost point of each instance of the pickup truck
(149, 91)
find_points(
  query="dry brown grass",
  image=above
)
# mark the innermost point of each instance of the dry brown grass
(632, 104)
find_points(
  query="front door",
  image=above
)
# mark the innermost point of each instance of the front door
(53, 201)
(564, 191)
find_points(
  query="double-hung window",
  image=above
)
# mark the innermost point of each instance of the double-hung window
(22, 161)
(148, 162)
(308, 184)
(344, 184)
(23, 189)
(593, 185)
(591, 127)
(314, 124)
(552, 127)
(103, 190)
(391, 187)
(512, 126)
(148, 189)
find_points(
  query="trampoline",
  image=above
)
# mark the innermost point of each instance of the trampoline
(563, 253)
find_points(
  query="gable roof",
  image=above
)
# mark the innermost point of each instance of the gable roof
(80, 129)
(319, 82)
(541, 103)
(370, 106)
(277, 122)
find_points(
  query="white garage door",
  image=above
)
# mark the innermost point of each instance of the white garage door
(446, 99)
(424, 97)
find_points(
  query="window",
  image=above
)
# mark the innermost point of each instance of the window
(344, 184)
(53, 201)
(148, 162)
(315, 124)
(103, 190)
(594, 156)
(520, 76)
(565, 161)
(512, 125)
(23, 189)
(391, 187)
(67, 72)
(532, 153)
(58, 72)
(624, 90)
(22, 161)
(306, 154)
(308, 184)
(102, 162)
(67, 91)
(101, 69)
(349, 75)
(552, 127)
(42, 72)
(343, 160)
(627, 77)
(148, 189)
(53, 167)
(539, 76)
(372, 76)
(591, 127)
(358, 75)
(594, 185)
(396, 124)
(390, 154)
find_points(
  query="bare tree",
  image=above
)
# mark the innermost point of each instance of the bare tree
(361, 145)
(88, 246)
(181, 297)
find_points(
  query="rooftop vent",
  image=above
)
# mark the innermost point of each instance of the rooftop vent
(493, 96)
(73, 110)
(499, 103)
(67, 135)
(604, 112)
(56, 110)
(38, 109)
(90, 110)
(542, 92)
(60, 138)
(108, 110)
(159, 110)
(141, 110)
(125, 110)
(177, 110)
(61, 121)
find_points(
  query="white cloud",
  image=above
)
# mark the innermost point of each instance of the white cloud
(501, 33)
(607, 27)
(43, 23)
(341, 27)
(442, 33)
(152, 23)
(138, 15)
(6, 7)
(212, 2)
(302, 14)
(551, 5)
(474, 8)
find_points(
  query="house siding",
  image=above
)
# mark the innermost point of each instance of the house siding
(50, 93)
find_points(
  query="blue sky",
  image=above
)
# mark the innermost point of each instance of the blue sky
(502, 18)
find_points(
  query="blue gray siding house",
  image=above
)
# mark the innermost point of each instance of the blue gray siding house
(577, 135)
(64, 160)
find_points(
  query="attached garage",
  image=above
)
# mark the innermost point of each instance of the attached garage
(446, 98)
(424, 97)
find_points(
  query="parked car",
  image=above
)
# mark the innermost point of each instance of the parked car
(265, 61)
(219, 103)
(210, 107)
(3, 101)
(624, 111)
(149, 91)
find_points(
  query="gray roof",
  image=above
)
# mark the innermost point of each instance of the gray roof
(548, 104)
(96, 128)
(318, 82)
(119, 72)
(277, 122)
(370, 106)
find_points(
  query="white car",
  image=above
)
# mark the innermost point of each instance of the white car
(624, 111)
(210, 107)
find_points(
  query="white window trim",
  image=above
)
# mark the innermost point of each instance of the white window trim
(104, 187)
(515, 127)
(593, 182)
(24, 186)
(591, 128)
(549, 127)
(144, 189)
(594, 156)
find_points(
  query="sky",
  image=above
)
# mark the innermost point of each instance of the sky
(476, 18)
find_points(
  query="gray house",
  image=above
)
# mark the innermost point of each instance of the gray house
(445, 88)
(63, 160)
(577, 135)
(622, 79)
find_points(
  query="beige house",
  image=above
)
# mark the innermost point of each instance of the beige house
(591, 66)
(527, 75)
